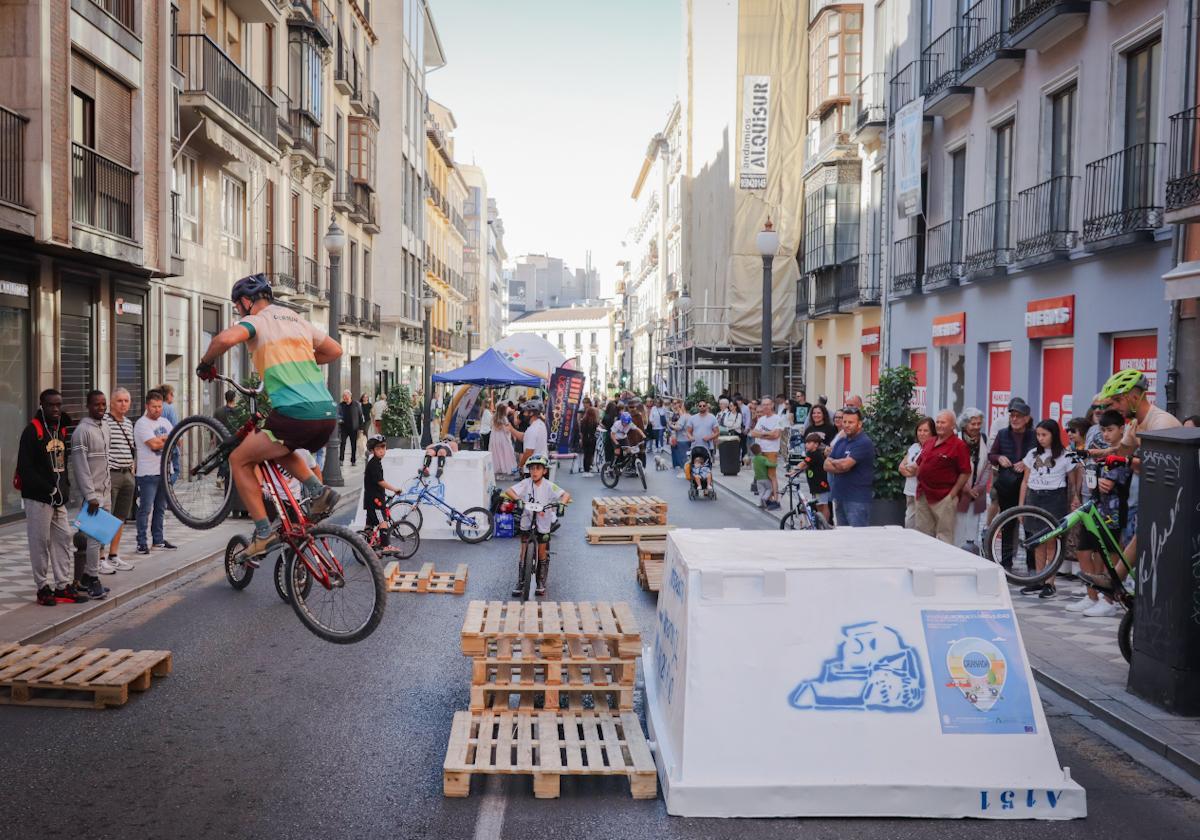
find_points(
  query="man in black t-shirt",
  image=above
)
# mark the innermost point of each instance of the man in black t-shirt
(375, 488)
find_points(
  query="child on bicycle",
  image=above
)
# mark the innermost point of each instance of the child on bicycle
(538, 488)
(1112, 475)
(812, 465)
(375, 487)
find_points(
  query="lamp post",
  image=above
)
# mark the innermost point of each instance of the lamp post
(335, 242)
(470, 335)
(427, 302)
(768, 244)
(650, 327)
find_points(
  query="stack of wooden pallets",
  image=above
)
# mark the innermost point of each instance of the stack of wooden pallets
(551, 695)
(651, 554)
(626, 519)
(426, 579)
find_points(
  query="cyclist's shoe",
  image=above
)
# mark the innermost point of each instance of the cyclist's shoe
(259, 546)
(323, 505)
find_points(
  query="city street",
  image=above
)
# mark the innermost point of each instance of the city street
(263, 730)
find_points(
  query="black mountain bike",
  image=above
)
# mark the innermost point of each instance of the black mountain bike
(529, 544)
(625, 462)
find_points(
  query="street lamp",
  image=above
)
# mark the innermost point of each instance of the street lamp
(768, 244)
(470, 335)
(427, 302)
(335, 243)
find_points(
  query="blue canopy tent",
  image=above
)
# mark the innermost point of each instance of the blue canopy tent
(490, 368)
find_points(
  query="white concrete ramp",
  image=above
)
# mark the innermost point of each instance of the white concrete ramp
(854, 672)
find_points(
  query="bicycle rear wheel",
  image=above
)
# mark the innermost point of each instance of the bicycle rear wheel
(610, 474)
(403, 541)
(237, 571)
(201, 492)
(303, 582)
(475, 526)
(351, 607)
(1125, 633)
(1023, 529)
(796, 520)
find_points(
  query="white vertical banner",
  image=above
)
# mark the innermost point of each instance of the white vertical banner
(909, 125)
(756, 106)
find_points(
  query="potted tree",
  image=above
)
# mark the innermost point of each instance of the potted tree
(889, 419)
(699, 392)
(398, 425)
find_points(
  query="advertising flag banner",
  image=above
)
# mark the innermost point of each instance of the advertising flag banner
(566, 390)
(756, 107)
(909, 124)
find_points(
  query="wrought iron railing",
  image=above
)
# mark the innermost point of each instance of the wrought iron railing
(12, 156)
(940, 62)
(207, 69)
(320, 14)
(908, 263)
(902, 88)
(803, 295)
(870, 104)
(1023, 11)
(1183, 172)
(988, 237)
(328, 154)
(101, 192)
(306, 131)
(310, 283)
(343, 196)
(375, 318)
(984, 31)
(1044, 218)
(870, 278)
(825, 293)
(348, 317)
(122, 11)
(1120, 193)
(373, 106)
(943, 260)
(280, 264)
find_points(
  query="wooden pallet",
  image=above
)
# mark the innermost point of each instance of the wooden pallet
(617, 511)
(550, 623)
(555, 681)
(554, 699)
(76, 677)
(651, 554)
(426, 580)
(548, 745)
(519, 653)
(626, 534)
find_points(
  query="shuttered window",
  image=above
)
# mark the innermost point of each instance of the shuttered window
(75, 348)
(113, 109)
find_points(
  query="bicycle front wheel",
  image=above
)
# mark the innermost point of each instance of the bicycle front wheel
(1019, 540)
(195, 471)
(237, 571)
(403, 540)
(610, 474)
(641, 471)
(1125, 633)
(475, 525)
(528, 562)
(350, 606)
(409, 512)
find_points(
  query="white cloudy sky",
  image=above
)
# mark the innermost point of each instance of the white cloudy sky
(557, 102)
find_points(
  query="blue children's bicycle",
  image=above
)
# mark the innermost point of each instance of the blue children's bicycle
(473, 525)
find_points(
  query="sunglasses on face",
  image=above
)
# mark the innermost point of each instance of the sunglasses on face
(851, 410)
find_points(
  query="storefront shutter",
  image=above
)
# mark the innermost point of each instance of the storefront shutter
(75, 349)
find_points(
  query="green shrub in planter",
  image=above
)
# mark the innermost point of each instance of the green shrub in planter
(398, 416)
(889, 421)
(241, 409)
(700, 392)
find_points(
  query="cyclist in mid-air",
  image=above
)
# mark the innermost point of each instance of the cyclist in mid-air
(538, 488)
(287, 351)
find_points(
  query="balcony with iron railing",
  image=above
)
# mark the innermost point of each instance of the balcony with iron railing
(870, 107)
(804, 296)
(318, 16)
(102, 192)
(343, 194)
(310, 283)
(215, 86)
(944, 94)
(943, 256)
(908, 264)
(870, 279)
(822, 145)
(279, 263)
(1183, 168)
(348, 317)
(366, 208)
(306, 133)
(836, 290)
(328, 155)
(987, 55)
(1040, 24)
(1045, 229)
(122, 11)
(343, 68)
(903, 88)
(373, 106)
(988, 245)
(358, 93)
(1121, 202)
(12, 156)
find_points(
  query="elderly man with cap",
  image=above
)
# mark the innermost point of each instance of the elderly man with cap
(1011, 444)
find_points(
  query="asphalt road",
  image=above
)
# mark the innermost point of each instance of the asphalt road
(265, 731)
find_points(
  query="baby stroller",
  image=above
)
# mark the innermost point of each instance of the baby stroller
(698, 471)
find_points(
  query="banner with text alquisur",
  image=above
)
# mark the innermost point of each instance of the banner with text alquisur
(566, 390)
(756, 104)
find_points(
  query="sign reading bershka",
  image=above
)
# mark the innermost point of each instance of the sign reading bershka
(1050, 317)
(950, 329)
(756, 106)
(869, 340)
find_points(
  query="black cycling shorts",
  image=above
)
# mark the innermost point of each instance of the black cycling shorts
(312, 435)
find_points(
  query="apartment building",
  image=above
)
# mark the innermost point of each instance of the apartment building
(540, 281)
(584, 334)
(483, 260)
(445, 239)
(1027, 239)
(85, 202)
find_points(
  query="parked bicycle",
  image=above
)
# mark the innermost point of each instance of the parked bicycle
(1015, 538)
(349, 601)
(473, 525)
(626, 462)
(803, 514)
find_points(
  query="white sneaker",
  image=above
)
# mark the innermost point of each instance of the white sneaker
(106, 568)
(1080, 605)
(1101, 609)
(119, 564)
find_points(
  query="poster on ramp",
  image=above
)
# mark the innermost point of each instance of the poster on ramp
(978, 672)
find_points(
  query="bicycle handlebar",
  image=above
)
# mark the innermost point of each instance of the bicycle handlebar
(240, 388)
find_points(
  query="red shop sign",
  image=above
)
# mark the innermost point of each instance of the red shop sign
(950, 329)
(1050, 317)
(869, 340)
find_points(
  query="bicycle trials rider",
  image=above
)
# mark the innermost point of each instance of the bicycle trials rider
(538, 488)
(287, 351)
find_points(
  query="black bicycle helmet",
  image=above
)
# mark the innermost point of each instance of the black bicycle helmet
(254, 287)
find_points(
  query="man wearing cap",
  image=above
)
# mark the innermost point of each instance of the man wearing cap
(1012, 442)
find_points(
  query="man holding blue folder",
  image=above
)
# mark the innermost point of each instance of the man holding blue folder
(91, 486)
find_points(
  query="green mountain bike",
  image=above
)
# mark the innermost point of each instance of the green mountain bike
(1030, 544)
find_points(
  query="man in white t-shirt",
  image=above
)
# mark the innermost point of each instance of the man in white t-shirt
(149, 436)
(767, 432)
(535, 439)
(377, 410)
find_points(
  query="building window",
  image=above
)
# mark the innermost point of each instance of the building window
(835, 51)
(233, 216)
(362, 150)
(1003, 181)
(305, 73)
(1141, 93)
(189, 184)
(366, 268)
(83, 119)
(958, 191)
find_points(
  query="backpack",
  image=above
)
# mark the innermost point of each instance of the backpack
(41, 435)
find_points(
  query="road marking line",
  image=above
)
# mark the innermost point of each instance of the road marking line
(490, 820)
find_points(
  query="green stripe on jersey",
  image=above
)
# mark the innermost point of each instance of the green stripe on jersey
(297, 390)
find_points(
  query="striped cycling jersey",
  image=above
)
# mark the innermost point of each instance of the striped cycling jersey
(282, 345)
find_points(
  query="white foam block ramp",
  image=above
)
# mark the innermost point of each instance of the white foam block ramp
(468, 477)
(853, 672)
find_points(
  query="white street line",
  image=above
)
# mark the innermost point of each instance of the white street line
(490, 820)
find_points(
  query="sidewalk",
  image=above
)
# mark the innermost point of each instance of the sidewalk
(1077, 657)
(23, 620)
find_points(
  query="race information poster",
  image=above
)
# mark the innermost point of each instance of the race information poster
(566, 390)
(978, 672)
